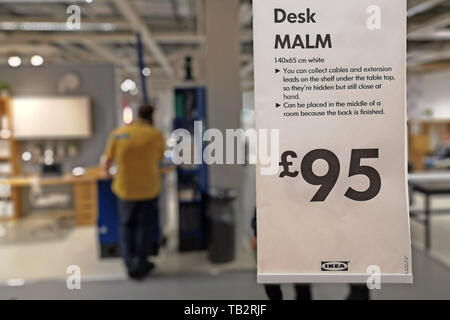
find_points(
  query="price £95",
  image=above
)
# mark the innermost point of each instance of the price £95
(329, 180)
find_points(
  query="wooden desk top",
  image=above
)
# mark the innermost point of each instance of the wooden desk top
(91, 175)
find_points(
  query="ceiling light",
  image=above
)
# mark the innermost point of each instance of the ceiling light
(131, 85)
(26, 156)
(146, 71)
(14, 61)
(37, 60)
(128, 85)
(124, 87)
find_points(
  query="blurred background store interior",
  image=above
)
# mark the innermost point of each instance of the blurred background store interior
(195, 58)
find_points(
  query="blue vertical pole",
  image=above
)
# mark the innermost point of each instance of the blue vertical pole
(141, 66)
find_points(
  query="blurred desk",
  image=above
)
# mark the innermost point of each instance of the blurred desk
(84, 192)
(433, 176)
(430, 184)
(26, 181)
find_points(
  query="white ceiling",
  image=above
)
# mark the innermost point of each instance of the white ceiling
(169, 28)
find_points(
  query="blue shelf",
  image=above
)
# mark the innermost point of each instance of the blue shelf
(189, 171)
(190, 106)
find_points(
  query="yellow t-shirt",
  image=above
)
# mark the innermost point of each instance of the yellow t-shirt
(137, 150)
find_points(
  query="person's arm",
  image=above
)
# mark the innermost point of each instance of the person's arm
(107, 168)
(109, 156)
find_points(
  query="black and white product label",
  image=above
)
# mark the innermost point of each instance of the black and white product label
(330, 76)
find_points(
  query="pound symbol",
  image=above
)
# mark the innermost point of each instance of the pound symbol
(287, 164)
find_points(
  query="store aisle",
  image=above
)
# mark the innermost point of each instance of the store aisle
(432, 281)
(47, 260)
(440, 228)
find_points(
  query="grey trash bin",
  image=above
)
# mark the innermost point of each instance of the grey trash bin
(221, 225)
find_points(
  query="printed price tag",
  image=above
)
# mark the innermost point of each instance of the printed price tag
(330, 76)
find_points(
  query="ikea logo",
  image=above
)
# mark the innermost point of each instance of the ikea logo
(335, 265)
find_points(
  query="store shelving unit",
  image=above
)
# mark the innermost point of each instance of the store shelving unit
(419, 146)
(10, 197)
(190, 106)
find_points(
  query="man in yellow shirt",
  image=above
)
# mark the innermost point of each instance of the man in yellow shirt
(137, 150)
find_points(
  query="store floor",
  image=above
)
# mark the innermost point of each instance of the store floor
(39, 268)
(440, 229)
(50, 259)
(431, 281)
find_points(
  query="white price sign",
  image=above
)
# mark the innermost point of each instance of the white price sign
(330, 76)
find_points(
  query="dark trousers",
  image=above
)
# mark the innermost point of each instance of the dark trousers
(139, 229)
(303, 292)
(358, 292)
